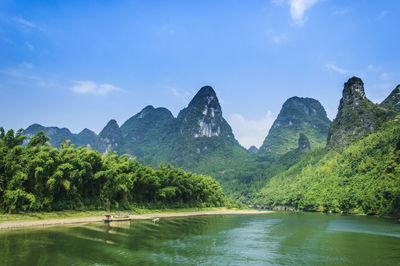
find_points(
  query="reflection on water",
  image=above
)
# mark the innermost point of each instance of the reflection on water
(275, 239)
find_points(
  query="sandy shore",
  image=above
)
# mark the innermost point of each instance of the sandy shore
(12, 225)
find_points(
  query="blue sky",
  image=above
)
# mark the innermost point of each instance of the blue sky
(78, 64)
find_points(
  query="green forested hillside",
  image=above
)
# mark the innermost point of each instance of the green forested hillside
(363, 178)
(38, 177)
(392, 102)
(298, 115)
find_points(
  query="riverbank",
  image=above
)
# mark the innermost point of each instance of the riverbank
(148, 214)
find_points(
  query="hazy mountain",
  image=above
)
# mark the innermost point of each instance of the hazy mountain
(253, 149)
(58, 135)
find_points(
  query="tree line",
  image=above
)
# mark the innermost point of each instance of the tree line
(37, 177)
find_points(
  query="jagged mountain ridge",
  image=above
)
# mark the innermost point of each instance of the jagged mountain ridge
(58, 135)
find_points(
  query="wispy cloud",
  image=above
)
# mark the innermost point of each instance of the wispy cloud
(24, 72)
(337, 69)
(25, 23)
(251, 132)
(90, 87)
(278, 39)
(384, 76)
(183, 95)
(30, 46)
(383, 14)
(341, 12)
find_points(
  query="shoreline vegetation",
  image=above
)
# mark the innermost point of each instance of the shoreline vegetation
(15, 221)
(35, 177)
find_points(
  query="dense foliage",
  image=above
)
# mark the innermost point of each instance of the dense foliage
(363, 178)
(298, 115)
(37, 177)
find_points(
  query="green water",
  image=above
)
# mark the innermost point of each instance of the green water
(262, 239)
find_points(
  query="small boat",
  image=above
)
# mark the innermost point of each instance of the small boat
(155, 220)
(116, 218)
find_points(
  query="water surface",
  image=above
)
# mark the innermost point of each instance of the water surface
(263, 239)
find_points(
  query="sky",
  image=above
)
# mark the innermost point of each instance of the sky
(78, 64)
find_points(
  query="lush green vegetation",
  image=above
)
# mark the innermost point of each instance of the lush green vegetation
(298, 115)
(363, 178)
(37, 177)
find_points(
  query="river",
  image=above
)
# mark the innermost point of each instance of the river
(280, 238)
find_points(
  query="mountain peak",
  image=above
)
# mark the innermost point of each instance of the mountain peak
(204, 97)
(357, 116)
(203, 116)
(253, 149)
(353, 92)
(86, 131)
(110, 137)
(296, 116)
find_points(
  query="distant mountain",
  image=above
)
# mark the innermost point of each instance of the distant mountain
(298, 115)
(357, 116)
(392, 102)
(145, 134)
(253, 149)
(58, 135)
(85, 137)
(110, 138)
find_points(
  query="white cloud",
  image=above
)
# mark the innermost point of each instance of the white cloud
(183, 95)
(337, 69)
(278, 39)
(297, 8)
(90, 87)
(25, 23)
(251, 132)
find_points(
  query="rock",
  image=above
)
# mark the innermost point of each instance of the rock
(304, 143)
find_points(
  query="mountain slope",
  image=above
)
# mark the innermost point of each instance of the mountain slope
(357, 116)
(298, 115)
(392, 102)
(364, 177)
(200, 130)
(145, 134)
